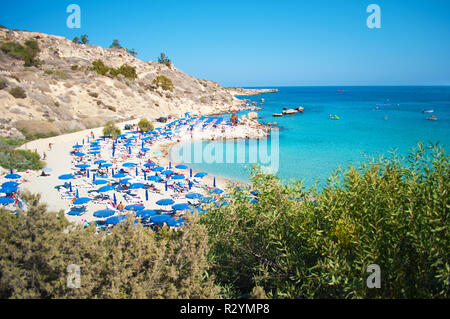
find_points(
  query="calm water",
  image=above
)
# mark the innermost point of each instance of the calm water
(373, 121)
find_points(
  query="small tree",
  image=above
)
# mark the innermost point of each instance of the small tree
(76, 40)
(84, 39)
(132, 52)
(110, 129)
(145, 125)
(115, 45)
(163, 59)
(164, 82)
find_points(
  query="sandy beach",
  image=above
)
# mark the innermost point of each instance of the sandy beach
(60, 160)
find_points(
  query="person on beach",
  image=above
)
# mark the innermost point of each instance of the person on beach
(120, 206)
(45, 156)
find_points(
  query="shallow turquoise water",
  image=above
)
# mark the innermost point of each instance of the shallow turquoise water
(373, 121)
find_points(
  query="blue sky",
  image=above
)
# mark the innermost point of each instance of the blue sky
(264, 43)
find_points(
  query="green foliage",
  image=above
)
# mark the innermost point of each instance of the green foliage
(110, 129)
(295, 243)
(84, 39)
(132, 52)
(3, 83)
(126, 70)
(163, 59)
(20, 160)
(115, 45)
(18, 92)
(58, 73)
(76, 40)
(27, 53)
(132, 262)
(164, 82)
(145, 125)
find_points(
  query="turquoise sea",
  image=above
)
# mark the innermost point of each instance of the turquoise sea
(373, 121)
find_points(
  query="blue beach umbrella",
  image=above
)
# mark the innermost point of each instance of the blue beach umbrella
(12, 176)
(100, 162)
(172, 222)
(145, 149)
(149, 164)
(194, 196)
(178, 177)
(137, 186)
(181, 166)
(8, 190)
(159, 219)
(66, 177)
(155, 178)
(82, 166)
(104, 213)
(146, 213)
(10, 184)
(115, 220)
(217, 191)
(100, 182)
(107, 165)
(81, 201)
(134, 207)
(77, 146)
(158, 169)
(207, 200)
(119, 175)
(94, 152)
(129, 164)
(182, 206)
(6, 200)
(165, 202)
(167, 172)
(75, 213)
(106, 188)
(79, 154)
(200, 175)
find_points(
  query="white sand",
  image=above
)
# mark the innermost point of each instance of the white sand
(60, 161)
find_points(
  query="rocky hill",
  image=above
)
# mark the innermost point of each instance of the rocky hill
(62, 92)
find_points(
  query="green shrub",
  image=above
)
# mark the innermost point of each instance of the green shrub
(18, 92)
(297, 243)
(126, 70)
(145, 125)
(74, 67)
(163, 59)
(110, 129)
(20, 160)
(28, 53)
(115, 45)
(3, 83)
(164, 82)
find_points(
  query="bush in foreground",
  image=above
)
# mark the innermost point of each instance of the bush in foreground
(37, 246)
(305, 244)
(111, 129)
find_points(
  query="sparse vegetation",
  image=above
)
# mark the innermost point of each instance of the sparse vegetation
(27, 53)
(126, 70)
(164, 82)
(3, 83)
(145, 125)
(20, 160)
(115, 45)
(111, 129)
(163, 59)
(93, 94)
(18, 92)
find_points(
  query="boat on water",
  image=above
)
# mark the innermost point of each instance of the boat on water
(427, 111)
(277, 114)
(432, 118)
(334, 117)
